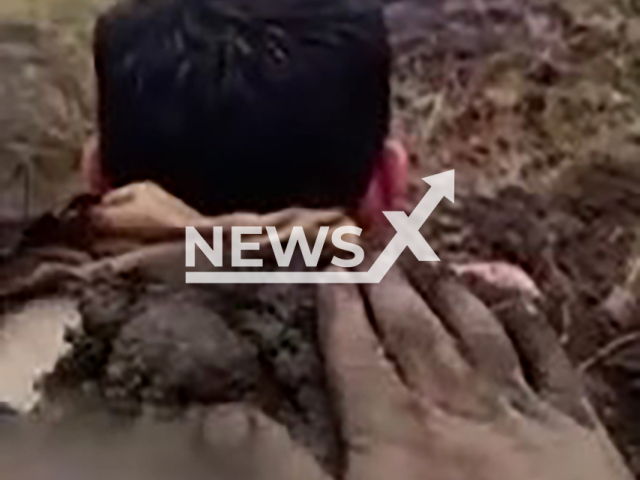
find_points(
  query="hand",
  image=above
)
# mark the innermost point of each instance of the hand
(142, 210)
(245, 443)
(146, 212)
(431, 386)
(226, 442)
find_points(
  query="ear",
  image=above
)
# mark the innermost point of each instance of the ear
(395, 178)
(388, 188)
(91, 167)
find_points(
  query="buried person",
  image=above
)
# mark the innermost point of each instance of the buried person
(227, 108)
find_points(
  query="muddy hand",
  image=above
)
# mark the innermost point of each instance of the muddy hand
(249, 445)
(436, 389)
(144, 211)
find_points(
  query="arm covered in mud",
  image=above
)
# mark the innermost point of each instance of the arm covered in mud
(141, 224)
(429, 384)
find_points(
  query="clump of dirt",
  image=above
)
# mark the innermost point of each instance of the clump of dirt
(534, 103)
(148, 342)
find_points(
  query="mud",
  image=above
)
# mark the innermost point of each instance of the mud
(149, 342)
(42, 123)
(534, 103)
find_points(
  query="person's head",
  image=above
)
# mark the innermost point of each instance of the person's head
(258, 106)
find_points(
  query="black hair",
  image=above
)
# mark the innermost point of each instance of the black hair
(243, 108)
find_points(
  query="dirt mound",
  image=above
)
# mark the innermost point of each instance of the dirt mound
(149, 342)
(42, 124)
(509, 92)
(535, 103)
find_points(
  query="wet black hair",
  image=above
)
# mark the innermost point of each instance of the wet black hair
(243, 107)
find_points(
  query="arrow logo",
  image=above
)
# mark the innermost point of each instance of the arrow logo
(407, 235)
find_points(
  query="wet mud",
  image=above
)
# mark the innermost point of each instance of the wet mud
(535, 104)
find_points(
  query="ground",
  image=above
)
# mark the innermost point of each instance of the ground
(534, 103)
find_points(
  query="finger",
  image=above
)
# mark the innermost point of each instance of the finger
(544, 361)
(115, 219)
(371, 399)
(499, 275)
(283, 219)
(312, 217)
(102, 218)
(120, 196)
(258, 443)
(416, 339)
(144, 196)
(280, 457)
(481, 336)
(133, 226)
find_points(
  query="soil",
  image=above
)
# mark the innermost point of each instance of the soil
(147, 341)
(534, 103)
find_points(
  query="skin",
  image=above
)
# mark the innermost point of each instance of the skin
(436, 390)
